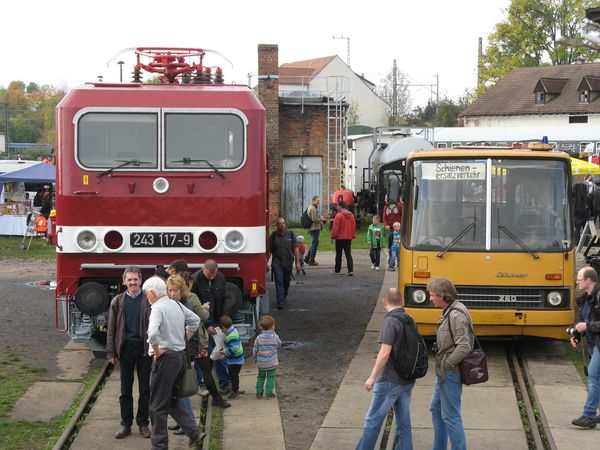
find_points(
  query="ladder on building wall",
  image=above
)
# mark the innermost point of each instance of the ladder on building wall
(337, 131)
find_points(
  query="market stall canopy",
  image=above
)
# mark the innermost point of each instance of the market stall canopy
(578, 167)
(40, 173)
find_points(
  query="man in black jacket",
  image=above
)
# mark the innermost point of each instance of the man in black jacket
(587, 322)
(128, 318)
(209, 286)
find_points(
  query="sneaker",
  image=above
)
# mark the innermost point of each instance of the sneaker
(372, 266)
(220, 403)
(179, 432)
(202, 390)
(333, 272)
(259, 396)
(314, 263)
(391, 269)
(173, 427)
(303, 272)
(270, 396)
(306, 261)
(225, 390)
(350, 274)
(585, 422)
(597, 419)
(279, 306)
(377, 268)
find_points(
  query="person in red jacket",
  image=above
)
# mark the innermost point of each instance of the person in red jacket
(392, 212)
(343, 231)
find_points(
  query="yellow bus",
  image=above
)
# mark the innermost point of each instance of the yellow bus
(496, 221)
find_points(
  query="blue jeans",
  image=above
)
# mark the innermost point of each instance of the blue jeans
(593, 397)
(186, 404)
(445, 413)
(282, 277)
(220, 366)
(385, 396)
(393, 257)
(312, 252)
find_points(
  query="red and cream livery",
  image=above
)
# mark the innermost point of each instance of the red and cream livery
(149, 173)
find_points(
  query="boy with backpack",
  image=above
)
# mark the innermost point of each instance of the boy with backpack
(401, 359)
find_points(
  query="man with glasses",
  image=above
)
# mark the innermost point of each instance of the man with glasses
(587, 322)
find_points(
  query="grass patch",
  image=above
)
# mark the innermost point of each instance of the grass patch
(216, 428)
(15, 378)
(325, 242)
(10, 247)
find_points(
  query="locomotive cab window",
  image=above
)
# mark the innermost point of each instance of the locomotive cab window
(203, 141)
(110, 139)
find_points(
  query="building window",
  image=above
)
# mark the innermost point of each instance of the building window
(540, 98)
(584, 96)
(578, 119)
(442, 145)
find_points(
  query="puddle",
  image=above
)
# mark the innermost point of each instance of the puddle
(291, 345)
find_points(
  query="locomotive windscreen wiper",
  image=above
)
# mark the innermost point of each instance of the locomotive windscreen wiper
(187, 161)
(518, 241)
(132, 162)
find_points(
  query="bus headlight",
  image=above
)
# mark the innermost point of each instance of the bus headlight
(234, 240)
(419, 296)
(554, 298)
(86, 240)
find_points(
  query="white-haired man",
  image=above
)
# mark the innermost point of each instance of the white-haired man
(170, 325)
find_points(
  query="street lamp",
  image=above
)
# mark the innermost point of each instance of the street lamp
(120, 63)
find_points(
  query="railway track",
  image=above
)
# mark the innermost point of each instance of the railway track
(535, 423)
(537, 429)
(101, 388)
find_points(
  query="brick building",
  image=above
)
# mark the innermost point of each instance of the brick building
(305, 142)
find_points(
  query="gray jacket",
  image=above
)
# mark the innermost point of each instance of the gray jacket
(453, 346)
(313, 214)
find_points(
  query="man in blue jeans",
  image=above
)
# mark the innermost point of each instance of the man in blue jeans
(389, 390)
(284, 253)
(587, 322)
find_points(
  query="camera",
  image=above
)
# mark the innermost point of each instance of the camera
(574, 333)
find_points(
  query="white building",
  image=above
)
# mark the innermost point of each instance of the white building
(331, 77)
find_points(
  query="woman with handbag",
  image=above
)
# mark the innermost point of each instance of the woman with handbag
(454, 341)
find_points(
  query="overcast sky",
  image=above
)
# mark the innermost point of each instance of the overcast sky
(67, 43)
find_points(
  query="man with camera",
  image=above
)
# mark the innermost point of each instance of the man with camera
(587, 324)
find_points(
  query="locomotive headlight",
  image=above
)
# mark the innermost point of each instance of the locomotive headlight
(554, 298)
(234, 240)
(160, 185)
(419, 296)
(86, 240)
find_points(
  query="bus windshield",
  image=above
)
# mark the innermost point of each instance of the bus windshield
(488, 205)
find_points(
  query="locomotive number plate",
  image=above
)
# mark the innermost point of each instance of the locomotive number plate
(161, 239)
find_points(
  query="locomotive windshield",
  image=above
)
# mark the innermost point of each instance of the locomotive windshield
(106, 139)
(488, 204)
(203, 140)
(189, 141)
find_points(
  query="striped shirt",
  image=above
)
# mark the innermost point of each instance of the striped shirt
(233, 347)
(265, 350)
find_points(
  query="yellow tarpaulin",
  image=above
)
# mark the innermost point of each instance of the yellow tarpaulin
(581, 167)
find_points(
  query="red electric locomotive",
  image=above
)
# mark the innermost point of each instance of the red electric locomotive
(152, 172)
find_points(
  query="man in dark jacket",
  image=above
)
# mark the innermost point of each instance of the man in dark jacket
(128, 318)
(587, 322)
(209, 286)
(284, 254)
(343, 231)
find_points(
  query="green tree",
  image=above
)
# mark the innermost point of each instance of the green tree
(394, 90)
(527, 38)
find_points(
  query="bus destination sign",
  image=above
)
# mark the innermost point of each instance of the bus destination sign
(453, 170)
